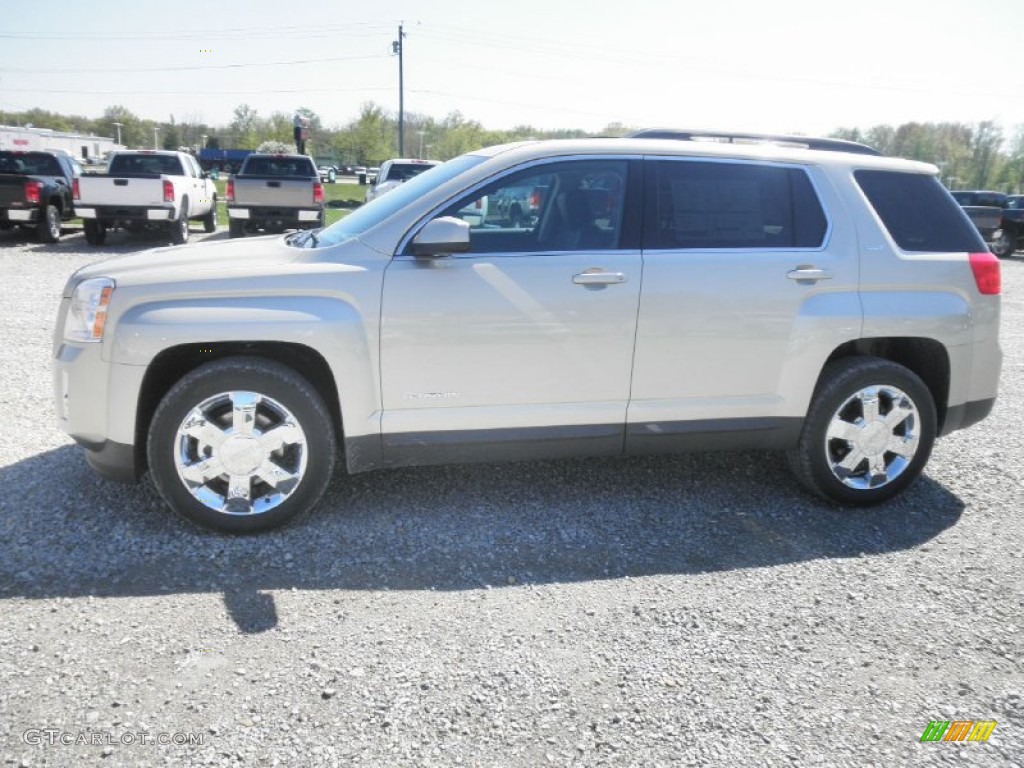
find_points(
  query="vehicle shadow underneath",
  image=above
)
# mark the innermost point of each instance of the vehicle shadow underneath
(71, 534)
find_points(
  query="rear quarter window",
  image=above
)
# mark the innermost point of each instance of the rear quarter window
(919, 213)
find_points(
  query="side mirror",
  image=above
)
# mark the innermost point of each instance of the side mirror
(441, 237)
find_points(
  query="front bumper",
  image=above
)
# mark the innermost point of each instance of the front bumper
(96, 403)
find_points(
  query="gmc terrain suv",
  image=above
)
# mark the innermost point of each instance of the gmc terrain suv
(672, 292)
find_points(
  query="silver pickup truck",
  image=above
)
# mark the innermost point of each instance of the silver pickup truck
(668, 295)
(274, 193)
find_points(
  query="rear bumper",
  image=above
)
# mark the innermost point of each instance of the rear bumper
(19, 215)
(260, 216)
(112, 214)
(967, 414)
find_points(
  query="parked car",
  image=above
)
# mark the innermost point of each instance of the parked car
(396, 171)
(147, 190)
(36, 191)
(812, 297)
(328, 174)
(985, 209)
(273, 193)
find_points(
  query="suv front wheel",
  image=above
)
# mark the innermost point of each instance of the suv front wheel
(241, 445)
(868, 433)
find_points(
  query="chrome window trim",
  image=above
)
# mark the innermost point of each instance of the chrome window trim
(422, 221)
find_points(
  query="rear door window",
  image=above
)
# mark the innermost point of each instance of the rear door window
(712, 205)
(919, 213)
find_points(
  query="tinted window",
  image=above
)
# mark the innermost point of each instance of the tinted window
(918, 212)
(279, 166)
(405, 171)
(29, 163)
(568, 206)
(143, 164)
(703, 205)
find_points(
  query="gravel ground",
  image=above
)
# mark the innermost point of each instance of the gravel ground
(694, 610)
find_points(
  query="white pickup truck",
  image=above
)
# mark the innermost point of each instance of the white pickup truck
(147, 189)
(396, 171)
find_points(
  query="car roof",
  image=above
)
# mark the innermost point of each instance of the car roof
(700, 149)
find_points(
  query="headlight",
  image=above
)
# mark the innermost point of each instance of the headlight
(88, 310)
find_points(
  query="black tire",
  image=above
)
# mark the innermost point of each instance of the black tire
(285, 399)
(236, 228)
(95, 232)
(179, 228)
(1004, 243)
(48, 228)
(816, 461)
(210, 219)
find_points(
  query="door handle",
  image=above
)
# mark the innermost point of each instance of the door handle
(809, 274)
(599, 278)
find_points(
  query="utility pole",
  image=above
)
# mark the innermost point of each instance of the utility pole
(396, 47)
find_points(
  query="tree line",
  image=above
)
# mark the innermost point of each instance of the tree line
(970, 155)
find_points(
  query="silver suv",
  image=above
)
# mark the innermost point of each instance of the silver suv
(674, 292)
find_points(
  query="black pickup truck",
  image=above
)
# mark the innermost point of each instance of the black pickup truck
(1010, 235)
(36, 191)
(998, 217)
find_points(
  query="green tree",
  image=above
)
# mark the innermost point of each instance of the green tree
(133, 128)
(244, 127)
(369, 139)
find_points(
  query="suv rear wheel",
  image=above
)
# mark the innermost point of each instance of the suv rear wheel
(868, 433)
(241, 445)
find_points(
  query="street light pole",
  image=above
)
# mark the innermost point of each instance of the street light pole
(156, 132)
(118, 126)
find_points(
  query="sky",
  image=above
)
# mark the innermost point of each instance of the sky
(791, 66)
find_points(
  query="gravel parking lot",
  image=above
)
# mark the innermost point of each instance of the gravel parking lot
(670, 611)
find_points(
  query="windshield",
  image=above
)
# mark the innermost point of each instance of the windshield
(372, 213)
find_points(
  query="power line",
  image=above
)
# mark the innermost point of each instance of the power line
(192, 92)
(74, 70)
(318, 31)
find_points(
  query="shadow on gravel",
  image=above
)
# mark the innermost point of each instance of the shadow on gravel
(68, 533)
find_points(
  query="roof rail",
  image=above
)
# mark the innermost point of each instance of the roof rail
(732, 137)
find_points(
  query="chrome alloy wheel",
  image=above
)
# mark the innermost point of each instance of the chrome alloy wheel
(240, 453)
(873, 437)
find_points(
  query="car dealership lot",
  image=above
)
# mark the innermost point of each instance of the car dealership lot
(696, 609)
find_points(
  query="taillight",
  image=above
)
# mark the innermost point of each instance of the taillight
(536, 198)
(231, 190)
(33, 192)
(318, 192)
(168, 191)
(75, 192)
(985, 267)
